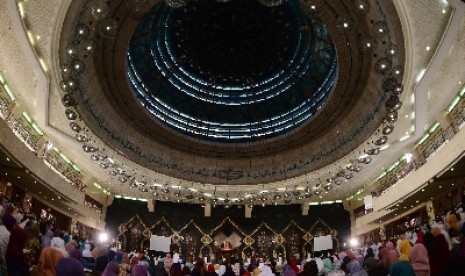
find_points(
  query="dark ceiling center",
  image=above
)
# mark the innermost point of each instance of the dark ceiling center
(236, 42)
(232, 72)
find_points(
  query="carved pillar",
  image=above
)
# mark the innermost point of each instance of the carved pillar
(305, 207)
(151, 205)
(207, 210)
(248, 211)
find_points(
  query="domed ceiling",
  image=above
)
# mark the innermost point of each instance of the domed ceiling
(233, 73)
(230, 96)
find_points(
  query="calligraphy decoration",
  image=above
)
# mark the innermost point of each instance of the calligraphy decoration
(308, 237)
(206, 239)
(293, 234)
(248, 240)
(191, 241)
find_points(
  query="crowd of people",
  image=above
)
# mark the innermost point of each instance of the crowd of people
(29, 247)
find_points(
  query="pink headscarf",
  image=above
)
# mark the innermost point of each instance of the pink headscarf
(419, 259)
(392, 253)
(383, 255)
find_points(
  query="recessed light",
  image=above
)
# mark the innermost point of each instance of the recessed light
(417, 201)
(440, 187)
(451, 169)
(8, 159)
(428, 48)
(443, 10)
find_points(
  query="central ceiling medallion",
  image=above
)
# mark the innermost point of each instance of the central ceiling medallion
(232, 72)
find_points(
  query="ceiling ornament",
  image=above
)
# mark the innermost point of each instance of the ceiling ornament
(248, 240)
(86, 39)
(206, 239)
(307, 237)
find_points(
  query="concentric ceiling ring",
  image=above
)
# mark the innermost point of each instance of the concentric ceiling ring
(234, 72)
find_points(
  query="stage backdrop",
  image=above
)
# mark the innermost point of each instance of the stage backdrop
(273, 231)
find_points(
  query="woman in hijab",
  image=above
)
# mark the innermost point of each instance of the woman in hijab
(87, 260)
(374, 268)
(59, 244)
(111, 255)
(72, 244)
(118, 257)
(266, 271)
(293, 265)
(310, 269)
(211, 270)
(288, 271)
(327, 265)
(47, 237)
(401, 268)
(69, 267)
(111, 270)
(175, 269)
(370, 253)
(76, 254)
(419, 260)
(440, 256)
(356, 269)
(428, 239)
(33, 245)
(102, 259)
(404, 248)
(140, 270)
(383, 255)
(199, 268)
(15, 258)
(48, 261)
(392, 253)
(185, 271)
(168, 263)
(134, 262)
(345, 261)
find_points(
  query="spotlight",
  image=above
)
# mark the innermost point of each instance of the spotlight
(103, 237)
(353, 242)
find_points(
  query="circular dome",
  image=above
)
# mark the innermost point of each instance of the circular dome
(134, 69)
(231, 72)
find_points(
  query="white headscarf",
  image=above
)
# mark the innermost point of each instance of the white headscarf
(266, 271)
(86, 252)
(59, 244)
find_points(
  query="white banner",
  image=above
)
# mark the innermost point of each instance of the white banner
(160, 243)
(323, 243)
(368, 200)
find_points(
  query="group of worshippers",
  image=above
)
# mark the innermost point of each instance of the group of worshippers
(429, 252)
(30, 248)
